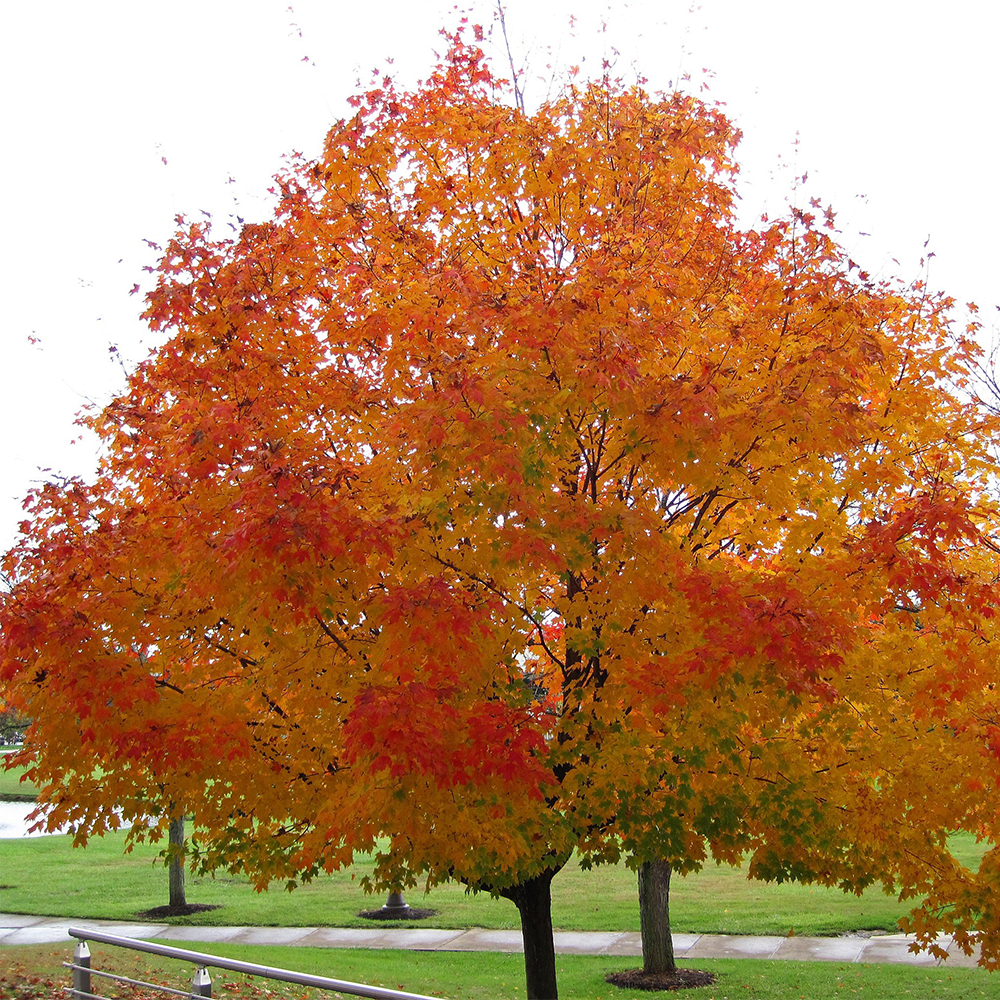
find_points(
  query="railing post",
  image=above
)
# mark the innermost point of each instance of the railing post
(81, 977)
(201, 985)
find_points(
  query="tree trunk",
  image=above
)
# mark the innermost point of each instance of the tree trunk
(534, 903)
(654, 917)
(175, 864)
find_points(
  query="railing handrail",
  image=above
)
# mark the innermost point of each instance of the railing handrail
(248, 968)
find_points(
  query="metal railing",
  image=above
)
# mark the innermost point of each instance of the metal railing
(201, 985)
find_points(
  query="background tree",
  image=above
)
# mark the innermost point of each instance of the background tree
(662, 537)
(12, 726)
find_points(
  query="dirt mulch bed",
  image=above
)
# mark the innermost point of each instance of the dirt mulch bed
(679, 979)
(177, 911)
(411, 913)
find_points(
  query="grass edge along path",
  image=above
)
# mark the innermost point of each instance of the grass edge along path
(492, 976)
(46, 876)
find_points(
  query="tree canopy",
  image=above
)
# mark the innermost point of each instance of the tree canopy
(502, 497)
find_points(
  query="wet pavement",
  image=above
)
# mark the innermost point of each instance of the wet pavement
(893, 948)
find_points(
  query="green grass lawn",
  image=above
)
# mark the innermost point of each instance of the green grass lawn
(487, 976)
(11, 786)
(46, 875)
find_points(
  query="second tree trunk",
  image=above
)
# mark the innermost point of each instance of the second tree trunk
(654, 917)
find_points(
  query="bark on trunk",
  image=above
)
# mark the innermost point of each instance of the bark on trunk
(534, 903)
(654, 917)
(176, 863)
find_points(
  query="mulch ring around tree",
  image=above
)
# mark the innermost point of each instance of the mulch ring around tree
(410, 913)
(178, 911)
(679, 979)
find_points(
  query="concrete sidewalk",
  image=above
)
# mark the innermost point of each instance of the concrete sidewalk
(22, 929)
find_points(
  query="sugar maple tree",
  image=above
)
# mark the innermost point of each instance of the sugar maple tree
(500, 497)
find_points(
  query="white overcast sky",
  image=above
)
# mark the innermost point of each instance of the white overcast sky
(889, 105)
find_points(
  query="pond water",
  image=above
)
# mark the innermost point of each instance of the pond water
(14, 820)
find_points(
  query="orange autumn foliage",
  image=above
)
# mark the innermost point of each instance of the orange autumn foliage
(501, 497)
